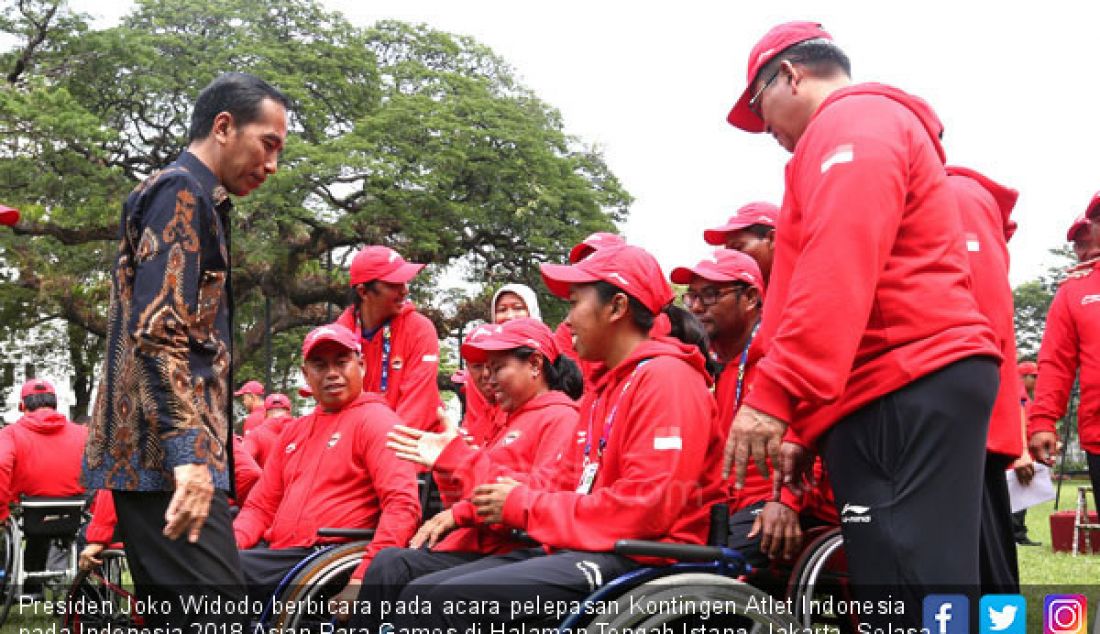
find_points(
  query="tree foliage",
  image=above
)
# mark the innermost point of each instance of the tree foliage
(1032, 301)
(400, 135)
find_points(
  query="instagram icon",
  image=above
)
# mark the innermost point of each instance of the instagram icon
(1065, 614)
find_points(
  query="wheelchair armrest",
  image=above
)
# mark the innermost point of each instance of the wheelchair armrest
(40, 501)
(680, 552)
(350, 533)
(522, 536)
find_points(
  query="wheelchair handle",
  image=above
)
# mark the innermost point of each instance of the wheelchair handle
(680, 552)
(350, 533)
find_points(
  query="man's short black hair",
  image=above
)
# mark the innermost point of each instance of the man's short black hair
(820, 56)
(239, 94)
(760, 230)
(32, 402)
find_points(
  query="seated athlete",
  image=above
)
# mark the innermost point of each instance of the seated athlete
(329, 468)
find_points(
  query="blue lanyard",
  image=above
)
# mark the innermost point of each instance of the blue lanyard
(386, 347)
(610, 420)
(744, 362)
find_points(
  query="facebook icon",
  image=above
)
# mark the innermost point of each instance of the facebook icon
(946, 614)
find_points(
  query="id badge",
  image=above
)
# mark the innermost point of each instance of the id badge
(588, 478)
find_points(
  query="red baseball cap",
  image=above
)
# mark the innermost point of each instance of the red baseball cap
(724, 265)
(756, 213)
(8, 215)
(1028, 368)
(382, 263)
(330, 332)
(1080, 223)
(1093, 210)
(252, 387)
(594, 242)
(630, 268)
(277, 400)
(774, 42)
(517, 333)
(36, 386)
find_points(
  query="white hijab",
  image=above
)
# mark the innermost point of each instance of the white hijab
(525, 293)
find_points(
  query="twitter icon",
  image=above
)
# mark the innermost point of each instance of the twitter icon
(1003, 614)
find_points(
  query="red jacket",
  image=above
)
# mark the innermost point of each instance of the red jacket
(40, 456)
(757, 488)
(660, 471)
(1071, 342)
(412, 390)
(869, 288)
(254, 419)
(334, 471)
(102, 526)
(477, 421)
(530, 440)
(986, 208)
(258, 444)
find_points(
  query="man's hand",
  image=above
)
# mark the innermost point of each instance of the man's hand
(1024, 468)
(89, 557)
(796, 470)
(339, 606)
(1044, 446)
(434, 529)
(190, 504)
(489, 499)
(754, 435)
(781, 535)
(419, 446)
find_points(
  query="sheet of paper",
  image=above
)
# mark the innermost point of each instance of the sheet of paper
(1039, 490)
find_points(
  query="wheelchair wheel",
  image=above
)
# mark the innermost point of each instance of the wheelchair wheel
(821, 572)
(102, 599)
(683, 599)
(9, 575)
(303, 605)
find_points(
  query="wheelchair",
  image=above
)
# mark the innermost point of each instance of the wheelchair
(54, 523)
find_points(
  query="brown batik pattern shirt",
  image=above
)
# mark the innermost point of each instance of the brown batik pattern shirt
(163, 395)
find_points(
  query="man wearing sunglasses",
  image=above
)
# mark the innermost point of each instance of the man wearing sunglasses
(877, 353)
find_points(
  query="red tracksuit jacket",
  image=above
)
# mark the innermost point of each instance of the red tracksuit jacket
(40, 456)
(1071, 342)
(412, 391)
(258, 444)
(478, 418)
(333, 470)
(659, 473)
(102, 526)
(254, 419)
(869, 288)
(530, 440)
(986, 207)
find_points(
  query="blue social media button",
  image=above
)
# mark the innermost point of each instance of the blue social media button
(946, 614)
(1003, 614)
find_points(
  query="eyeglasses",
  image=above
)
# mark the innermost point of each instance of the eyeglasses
(754, 103)
(709, 296)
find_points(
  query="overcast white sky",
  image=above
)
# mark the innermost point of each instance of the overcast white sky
(650, 84)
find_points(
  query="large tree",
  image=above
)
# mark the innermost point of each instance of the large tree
(401, 135)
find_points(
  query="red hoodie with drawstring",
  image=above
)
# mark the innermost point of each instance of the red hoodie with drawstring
(528, 441)
(1071, 343)
(40, 456)
(259, 443)
(870, 287)
(660, 471)
(986, 208)
(412, 390)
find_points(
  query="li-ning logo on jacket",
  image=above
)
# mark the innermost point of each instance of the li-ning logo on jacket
(853, 513)
(1090, 299)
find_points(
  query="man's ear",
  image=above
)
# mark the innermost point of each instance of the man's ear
(223, 126)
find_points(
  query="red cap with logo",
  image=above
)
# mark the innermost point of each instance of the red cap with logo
(773, 43)
(757, 213)
(1080, 223)
(274, 401)
(517, 333)
(1093, 210)
(252, 387)
(382, 263)
(630, 268)
(724, 265)
(36, 386)
(330, 332)
(8, 215)
(1028, 368)
(594, 242)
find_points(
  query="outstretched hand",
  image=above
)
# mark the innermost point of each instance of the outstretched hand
(419, 446)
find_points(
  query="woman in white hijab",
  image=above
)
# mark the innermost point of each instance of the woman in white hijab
(513, 301)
